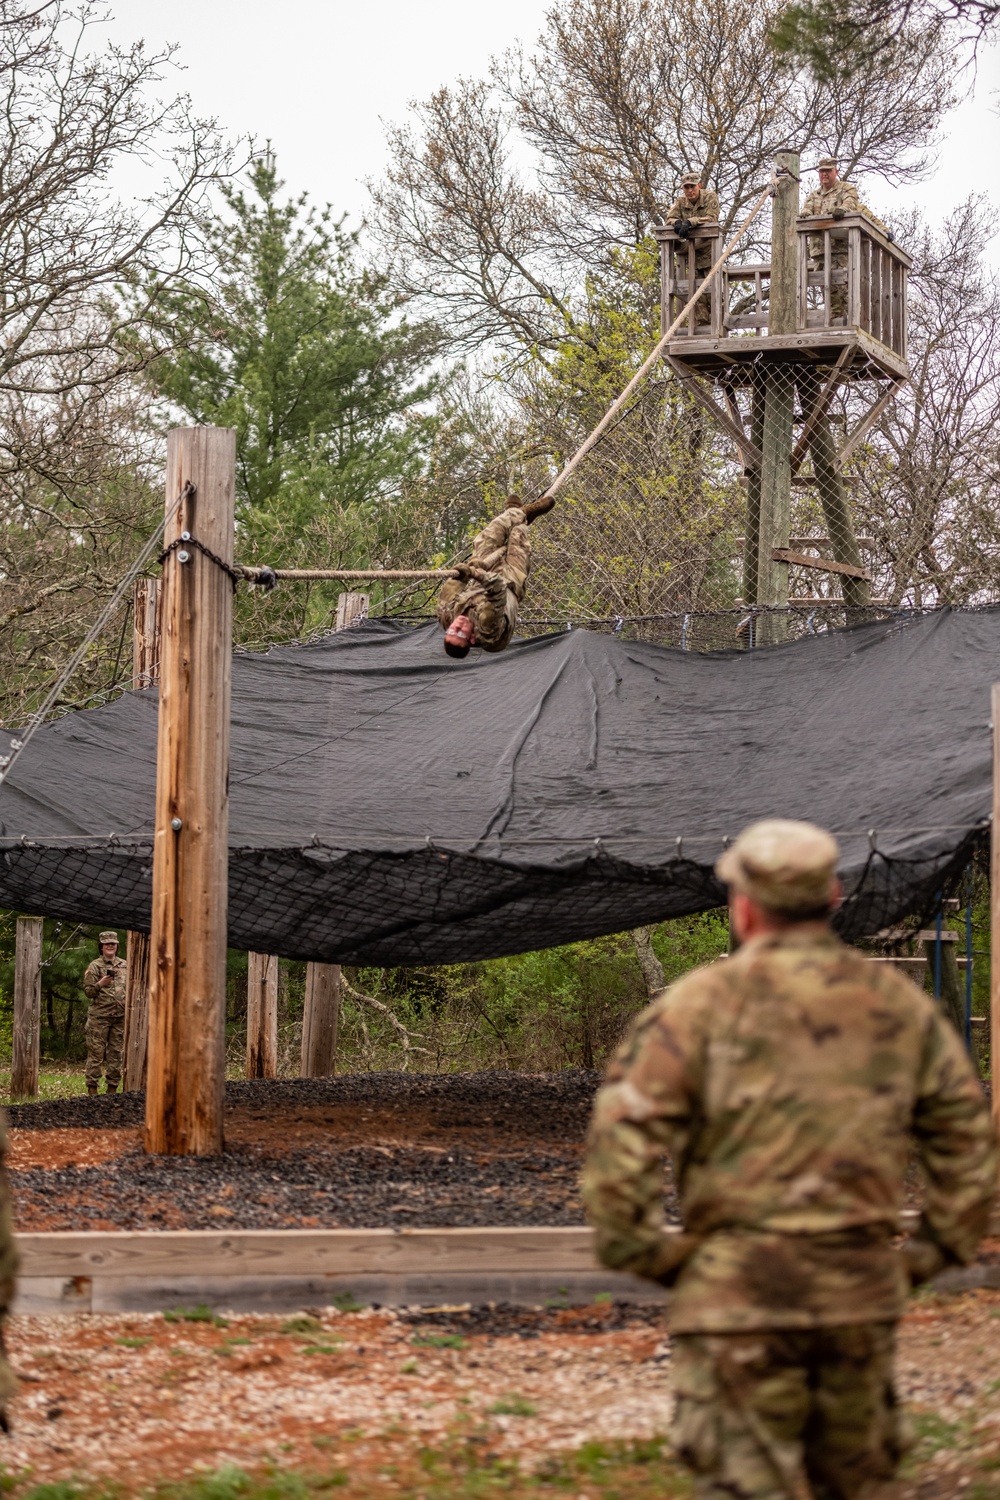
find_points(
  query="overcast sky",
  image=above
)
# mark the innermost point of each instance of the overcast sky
(319, 76)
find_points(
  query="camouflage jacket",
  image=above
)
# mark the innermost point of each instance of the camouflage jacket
(504, 547)
(788, 1083)
(843, 195)
(96, 971)
(705, 211)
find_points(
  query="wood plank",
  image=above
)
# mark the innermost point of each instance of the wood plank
(750, 453)
(822, 564)
(305, 1252)
(186, 1064)
(26, 1040)
(819, 409)
(866, 423)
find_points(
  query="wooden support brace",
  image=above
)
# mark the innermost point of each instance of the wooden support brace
(867, 421)
(751, 454)
(821, 564)
(819, 409)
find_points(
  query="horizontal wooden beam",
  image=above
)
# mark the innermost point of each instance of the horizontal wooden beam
(821, 564)
(304, 1252)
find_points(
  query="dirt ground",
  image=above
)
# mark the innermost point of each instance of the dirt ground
(380, 1150)
(379, 1402)
(371, 1151)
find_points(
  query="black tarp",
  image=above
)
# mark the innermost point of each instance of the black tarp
(391, 806)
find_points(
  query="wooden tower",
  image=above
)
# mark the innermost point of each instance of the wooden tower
(765, 351)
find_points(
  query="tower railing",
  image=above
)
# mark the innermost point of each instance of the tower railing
(850, 276)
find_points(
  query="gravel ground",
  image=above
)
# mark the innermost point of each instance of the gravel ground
(377, 1150)
(368, 1398)
(365, 1151)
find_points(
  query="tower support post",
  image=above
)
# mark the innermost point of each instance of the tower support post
(187, 991)
(779, 404)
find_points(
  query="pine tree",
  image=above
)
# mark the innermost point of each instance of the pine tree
(303, 354)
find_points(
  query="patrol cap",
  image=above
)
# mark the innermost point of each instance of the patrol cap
(784, 865)
(691, 179)
(108, 937)
(826, 161)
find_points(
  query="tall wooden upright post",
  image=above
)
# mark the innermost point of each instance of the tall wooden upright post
(262, 1015)
(321, 1015)
(187, 992)
(779, 402)
(27, 1008)
(145, 673)
(995, 911)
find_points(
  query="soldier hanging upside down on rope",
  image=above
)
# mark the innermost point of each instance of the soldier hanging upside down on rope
(479, 607)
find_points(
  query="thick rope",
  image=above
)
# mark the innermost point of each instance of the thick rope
(267, 575)
(651, 359)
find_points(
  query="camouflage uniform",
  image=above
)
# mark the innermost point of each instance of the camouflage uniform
(705, 211)
(501, 560)
(105, 1019)
(840, 198)
(786, 1081)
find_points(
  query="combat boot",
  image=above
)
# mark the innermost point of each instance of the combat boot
(92, 1089)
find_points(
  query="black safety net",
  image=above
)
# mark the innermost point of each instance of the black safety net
(391, 806)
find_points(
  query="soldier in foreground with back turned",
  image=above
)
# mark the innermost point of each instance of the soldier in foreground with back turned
(104, 987)
(789, 1082)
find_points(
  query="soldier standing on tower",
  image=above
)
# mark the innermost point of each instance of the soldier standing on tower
(696, 205)
(834, 198)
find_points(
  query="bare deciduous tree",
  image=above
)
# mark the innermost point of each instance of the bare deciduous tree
(73, 115)
(929, 476)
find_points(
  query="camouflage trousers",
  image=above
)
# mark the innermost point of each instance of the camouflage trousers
(838, 292)
(788, 1414)
(490, 606)
(104, 1034)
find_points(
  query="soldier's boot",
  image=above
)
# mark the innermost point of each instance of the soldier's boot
(110, 1088)
(92, 1089)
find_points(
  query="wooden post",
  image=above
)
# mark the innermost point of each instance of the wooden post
(321, 1020)
(145, 673)
(321, 1015)
(187, 992)
(751, 544)
(27, 1008)
(995, 912)
(262, 1015)
(779, 403)
(351, 607)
